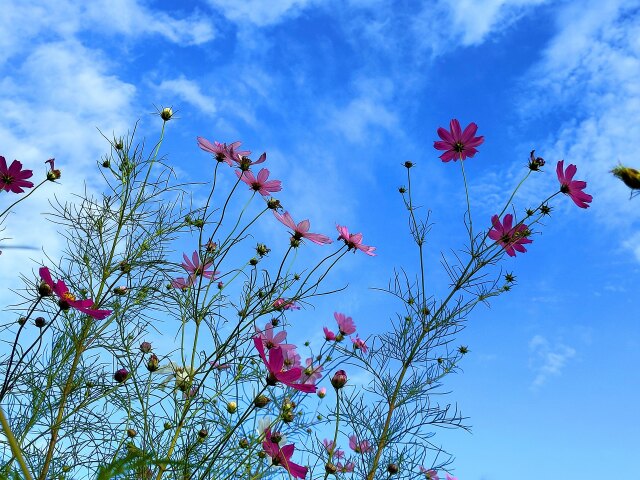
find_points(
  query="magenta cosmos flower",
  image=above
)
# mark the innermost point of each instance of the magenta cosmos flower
(196, 269)
(457, 144)
(13, 178)
(354, 241)
(67, 299)
(282, 456)
(269, 340)
(511, 238)
(301, 230)
(223, 152)
(275, 366)
(571, 187)
(260, 184)
(282, 304)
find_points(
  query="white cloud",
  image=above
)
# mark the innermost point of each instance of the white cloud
(590, 69)
(259, 12)
(43, 21)
(190, 92)
(547, 360)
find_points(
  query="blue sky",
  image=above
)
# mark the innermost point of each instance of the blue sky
(339, 93)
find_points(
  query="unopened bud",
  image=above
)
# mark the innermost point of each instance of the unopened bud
(339, 379)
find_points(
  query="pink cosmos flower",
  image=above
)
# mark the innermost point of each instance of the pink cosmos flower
(291, 357)
(429, 474)
(346, 468)
(573, 188)
(311, 373)
(275, 366)
(222, 151)
(354, 241)
(244, 162)
(13, 178)
(195, 269)
(180, 283)
(282, 456)
(329, 445)
(359, 447)
(449, 477)
(269, 339)
(511, 238)
(359, 344)
(328, 334)
(301, 230)
(282, 304)
(260, 183)
(67, 299)
(345, 324)
(458, 144)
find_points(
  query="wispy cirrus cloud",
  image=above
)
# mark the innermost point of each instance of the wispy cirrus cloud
(547, 359)
(190, 92)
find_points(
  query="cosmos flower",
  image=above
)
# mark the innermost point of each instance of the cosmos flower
(328, 334)
(67, 299)
(282, 304)
(458, 144)
(358, 343)
(260, 183)
(196, 269)
(13, 178)
(354, 241)
(571, 187)
(222, 151)
(269, 339)
(511, 238)
(282, 455)
(345, 324)
(429, 474)
(301, 230)
(275, 367)
(359, 447)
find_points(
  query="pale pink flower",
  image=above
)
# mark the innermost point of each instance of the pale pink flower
(571, 187)
(269, 339)
(282, 304)
(345, 324)
(359, 447)
(180, 283)
(354, 241)
(449, 477)
(301, 230)
(311, 373)
(222, 151)
(429, 474)
(260, 184)
(347, 468)
(195, 268)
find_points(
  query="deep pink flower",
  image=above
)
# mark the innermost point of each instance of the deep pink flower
(345, 324)
(269, 339)
(195, 268)
(511, 238)
(222, 151)
(260, 183)
(328, 334)
(282, 304)
(573, 188)
(458, 144)
(275, 366)
(429, 474)
(301, 230)
(354, 241)
(282, 456)
(360, 344)
(13, 178)
(67, 299)
(359, 447)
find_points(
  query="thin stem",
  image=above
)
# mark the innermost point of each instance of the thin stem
(15, 448)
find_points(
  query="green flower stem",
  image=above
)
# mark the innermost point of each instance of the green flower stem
(335, 434)
(15, 448)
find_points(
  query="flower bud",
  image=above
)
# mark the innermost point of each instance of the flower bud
(203, 433)
(273, 204)
(166, 114)
(40, 322)
(392, 468)
(22, 320)
(120, 290)
(261, 401)
(339, 379)
(262, 250)
(131, 433)
(153, 363)
(288, 416)
(330, 468)
(244, 443)
(145, 347)
(232, 407)
(322, 392)
(44, 290)
(121, 375)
